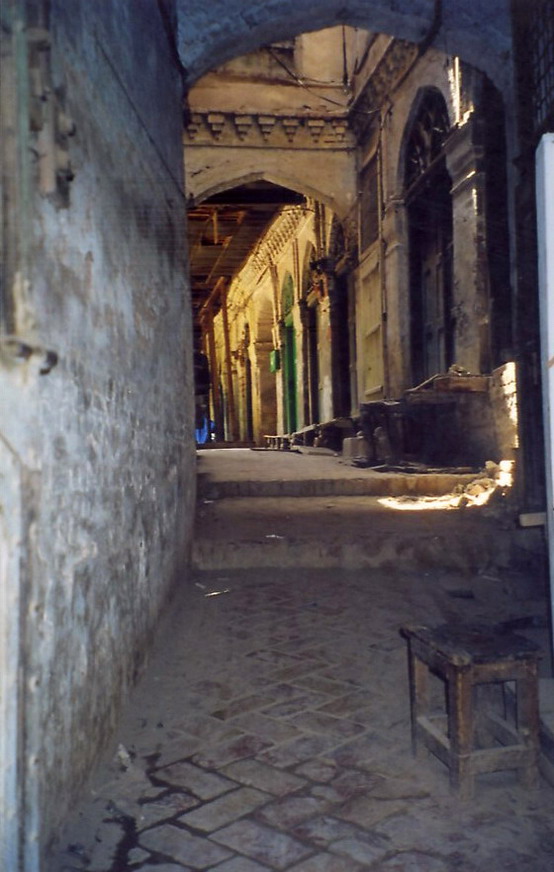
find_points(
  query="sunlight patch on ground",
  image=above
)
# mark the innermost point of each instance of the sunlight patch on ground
(497, 477)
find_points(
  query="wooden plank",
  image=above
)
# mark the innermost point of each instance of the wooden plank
(498, 759)
(433, 738)
(502, 730)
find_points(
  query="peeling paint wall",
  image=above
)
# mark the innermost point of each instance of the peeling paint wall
(104, 442)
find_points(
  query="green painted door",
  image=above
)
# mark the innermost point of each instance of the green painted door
(289, 377)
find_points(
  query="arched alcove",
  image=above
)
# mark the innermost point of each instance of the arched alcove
(426, 128)
(427, 187)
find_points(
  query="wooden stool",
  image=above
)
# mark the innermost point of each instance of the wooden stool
(464, 656)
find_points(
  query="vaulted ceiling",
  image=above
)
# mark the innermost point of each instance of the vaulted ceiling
(224, 230)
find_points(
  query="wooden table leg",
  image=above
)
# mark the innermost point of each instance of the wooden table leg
(528, 723)
(419, 695)
(460, 728)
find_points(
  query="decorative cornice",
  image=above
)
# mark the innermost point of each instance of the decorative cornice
(268, 131)
(280, 234)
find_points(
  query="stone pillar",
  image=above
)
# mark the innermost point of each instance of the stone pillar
(325, 361)
(232, 417)
(305, 377)
(280, 381)
(265, 396)
(396, 293)
(332, 291)
(214, 375)
(470, 293)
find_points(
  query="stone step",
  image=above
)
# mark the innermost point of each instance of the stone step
(369, 484)
(400, 552)
(350, 532)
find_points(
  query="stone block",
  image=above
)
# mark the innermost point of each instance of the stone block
(355, 446)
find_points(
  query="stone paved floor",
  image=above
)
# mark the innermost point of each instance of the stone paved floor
(271, 732)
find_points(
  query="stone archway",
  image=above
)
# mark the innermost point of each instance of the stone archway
(480, 36)
(220, 178)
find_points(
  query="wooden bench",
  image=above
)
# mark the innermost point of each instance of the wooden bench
(278, 442)
(465, 656)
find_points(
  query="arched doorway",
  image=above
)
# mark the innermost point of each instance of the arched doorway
(429, 203)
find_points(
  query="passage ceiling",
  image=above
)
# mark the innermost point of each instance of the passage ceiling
(225, 229)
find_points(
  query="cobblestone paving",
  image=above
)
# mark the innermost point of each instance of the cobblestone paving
(271, 732)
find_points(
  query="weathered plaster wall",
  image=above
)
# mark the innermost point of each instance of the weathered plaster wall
(104, 442)
(268, 81)
(470, 296)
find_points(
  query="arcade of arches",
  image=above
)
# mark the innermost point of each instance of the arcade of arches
(377, 264)
(359, 183)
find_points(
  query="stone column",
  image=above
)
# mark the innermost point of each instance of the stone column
(396, 297)
(303, 309)
(470, 292)
(214, 371)
(265, 399)
(232, 417)
(280, 381)
(332, 291)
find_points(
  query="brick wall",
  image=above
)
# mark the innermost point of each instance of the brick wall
(103, 443)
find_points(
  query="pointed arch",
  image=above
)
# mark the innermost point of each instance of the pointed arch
(420, 143)
(457, 27)
(427, 191)
(223, 179)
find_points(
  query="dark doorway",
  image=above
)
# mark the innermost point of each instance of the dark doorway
(341, 347)
(429, 203)
(430, 220)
